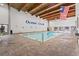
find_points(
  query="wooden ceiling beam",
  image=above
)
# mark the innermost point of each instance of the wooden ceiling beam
(27, 6)
(69, 15)
(23, 7)
(38, 8)
(55, 11)
(17, 6)
(48, 9)
(57, 14)
(51, 15)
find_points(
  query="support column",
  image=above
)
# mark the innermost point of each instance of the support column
(9, 21)
(77, 14)
(48, 29)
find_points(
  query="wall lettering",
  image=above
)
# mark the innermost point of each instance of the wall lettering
(31, 22)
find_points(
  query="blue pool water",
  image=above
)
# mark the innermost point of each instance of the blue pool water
(40, 36)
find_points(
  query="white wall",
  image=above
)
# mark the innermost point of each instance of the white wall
(3, 14)
(77, 9)
(62, 23)
(18, 21)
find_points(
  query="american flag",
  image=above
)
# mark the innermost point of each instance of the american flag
(63, 12)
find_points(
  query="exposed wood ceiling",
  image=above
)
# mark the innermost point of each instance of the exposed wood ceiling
(49, 11)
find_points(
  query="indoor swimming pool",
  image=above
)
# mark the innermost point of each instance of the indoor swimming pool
(41, 36)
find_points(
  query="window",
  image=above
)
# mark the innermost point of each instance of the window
(55, 28)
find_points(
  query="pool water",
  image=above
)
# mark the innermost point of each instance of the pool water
(41, 36)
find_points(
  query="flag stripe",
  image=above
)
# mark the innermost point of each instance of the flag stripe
(63, 15)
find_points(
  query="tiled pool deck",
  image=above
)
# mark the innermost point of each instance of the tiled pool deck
(64, 45)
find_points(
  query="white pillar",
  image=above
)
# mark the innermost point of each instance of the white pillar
(77, 14)
(9, 21)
